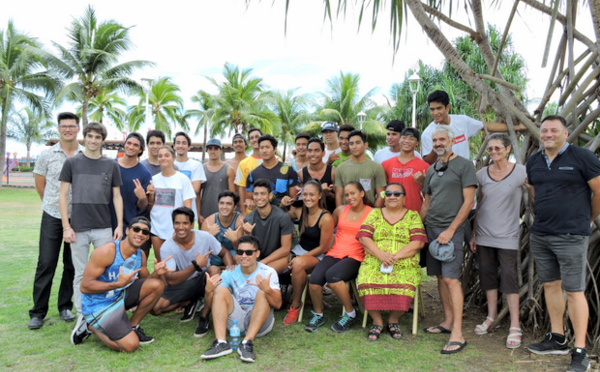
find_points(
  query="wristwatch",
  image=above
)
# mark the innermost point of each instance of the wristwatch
(198, 268)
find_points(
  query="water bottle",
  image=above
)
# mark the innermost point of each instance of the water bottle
(234, 333)
(129, 266)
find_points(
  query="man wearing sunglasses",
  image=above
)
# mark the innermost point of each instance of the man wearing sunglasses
(108, 291)
(449, 190)
(248, 294)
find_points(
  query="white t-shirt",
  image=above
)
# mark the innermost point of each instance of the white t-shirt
(464, 128)
(244, 287)
(203, 242)
(194, 170)
(169, 193)
(385, 154)
(329, 152)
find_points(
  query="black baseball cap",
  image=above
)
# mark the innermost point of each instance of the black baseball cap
(411, 132)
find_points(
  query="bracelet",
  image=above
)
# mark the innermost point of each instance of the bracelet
(67, 228)
(198, 268)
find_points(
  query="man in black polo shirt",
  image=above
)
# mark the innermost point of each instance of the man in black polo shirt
(564, 179)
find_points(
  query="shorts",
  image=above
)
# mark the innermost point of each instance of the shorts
(334, 270)
(243, 314)
(450, 270)
(489, 260)
(561, 257)
(190, 290)
(297, 250)
(113, 320)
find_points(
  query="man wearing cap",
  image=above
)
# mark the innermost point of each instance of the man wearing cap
(239, 152)
(332, 147)
(449, 190)
(394, 131)
(192, 168)
(244, 168)
(219, 177)
(407, 169)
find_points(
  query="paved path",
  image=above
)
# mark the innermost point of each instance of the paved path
(19, 179)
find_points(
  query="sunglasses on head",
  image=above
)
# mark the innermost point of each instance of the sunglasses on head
(247, 252)
(137, 229)
(395, 193)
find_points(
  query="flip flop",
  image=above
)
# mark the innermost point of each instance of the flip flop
(438, 327)
(454, 343)
(514, 337)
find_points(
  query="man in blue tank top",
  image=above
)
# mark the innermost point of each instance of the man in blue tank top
(225, 225)
(108, 291)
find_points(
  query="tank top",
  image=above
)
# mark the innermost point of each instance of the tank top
(216, 182)
(325, 179)
(311, 236)
(226, 243)
(346, 244)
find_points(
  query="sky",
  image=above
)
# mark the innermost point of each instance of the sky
(190, 41)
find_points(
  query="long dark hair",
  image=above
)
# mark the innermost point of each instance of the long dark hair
(359, 186)
(322, 203)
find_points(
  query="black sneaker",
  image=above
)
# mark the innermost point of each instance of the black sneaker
(189, 312)
(343, 324)
(579, 360)
(246, 352)
(144, 340)
(315, 322)
(218, 349)
(202, 328)
(80, 332)
(549, 345)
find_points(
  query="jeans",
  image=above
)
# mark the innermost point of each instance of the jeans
(51, 239)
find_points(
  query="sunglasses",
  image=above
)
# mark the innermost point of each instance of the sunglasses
(441, 170)
(247, 252)
(395, 193)
(495, 148)
(137, 229)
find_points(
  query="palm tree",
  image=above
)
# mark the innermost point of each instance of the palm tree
(204, 115)
(92, 58)
(166, 107)
(292, 114)
(106, 105)
(241, 102)
(29, 127)
(23, 77)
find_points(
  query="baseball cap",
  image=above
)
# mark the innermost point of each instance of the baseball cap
(214, 142)
(395, 126)
(329, 125)
(411, 132)
(442, 252)
(238, 135)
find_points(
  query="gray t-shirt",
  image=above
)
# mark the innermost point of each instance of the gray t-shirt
(370, 175)
(499, 208)
(447, 190)
(270, 230)
(203, 242)
(216, 182)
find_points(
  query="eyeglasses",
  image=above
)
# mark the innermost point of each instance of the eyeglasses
(137, 229)
(247, 252)
(68, 127)
(495, 148)
(395, 193)
(441, 170)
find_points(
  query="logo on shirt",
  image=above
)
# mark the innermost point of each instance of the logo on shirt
(402, 172)
(459, 139)
(284, 169)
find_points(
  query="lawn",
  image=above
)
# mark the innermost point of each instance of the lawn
(175, 348)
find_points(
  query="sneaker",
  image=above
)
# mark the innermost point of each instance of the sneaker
(144, 339)
(343, 324)
(202, 328)
(218, 349)
(579, 360)
(315, 322)
(246, 352)
(292, 315)
(549, 345)
(189, 312)
(80, 332)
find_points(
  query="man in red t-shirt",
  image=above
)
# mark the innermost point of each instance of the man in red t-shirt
(408, 170)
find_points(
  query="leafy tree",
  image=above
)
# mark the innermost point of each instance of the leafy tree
(24, 78)
(91, 58)
(106, 105)
(204, 114)
(292, 113)
(29, 127)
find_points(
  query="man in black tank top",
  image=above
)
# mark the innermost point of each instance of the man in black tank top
(320, 171)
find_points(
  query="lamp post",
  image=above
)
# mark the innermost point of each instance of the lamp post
(415, 83)
(148, 87)
(361, 118)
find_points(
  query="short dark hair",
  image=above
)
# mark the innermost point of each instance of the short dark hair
(156, 133)
(138, 137)
(502, 137)
(270, 138)
(67, 116)
(254, 130)
(183, 210)
(228, 193)
(345, 128)
(317, 140)
(96, 127)
(302, 135)
(250, 239)
(261, 182)
(396, 184)
(438, 96)
(556, 117)
(189, 140)
(360, 133)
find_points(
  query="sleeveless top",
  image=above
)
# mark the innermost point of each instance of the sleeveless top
(325, 179)
(346, 244)
(216, 182)
(226, 243)
(97, 301)
(311, 236)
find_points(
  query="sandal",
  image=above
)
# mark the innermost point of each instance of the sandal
(375, 332)
(482, 329)
(395, 331)
(514, 338)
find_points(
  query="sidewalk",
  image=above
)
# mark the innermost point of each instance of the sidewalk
(19, 179)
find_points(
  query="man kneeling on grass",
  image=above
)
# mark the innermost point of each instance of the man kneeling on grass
(247, 294)
(107, 291)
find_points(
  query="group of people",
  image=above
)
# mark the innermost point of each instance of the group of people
(330, 216)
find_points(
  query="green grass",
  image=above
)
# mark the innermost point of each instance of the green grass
(175, 348)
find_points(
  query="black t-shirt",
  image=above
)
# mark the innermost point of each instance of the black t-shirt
(281, 176)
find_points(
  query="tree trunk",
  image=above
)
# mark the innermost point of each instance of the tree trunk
(28, 162)
(205, 135)
(3, 123)
(84, 112)
(595, 10)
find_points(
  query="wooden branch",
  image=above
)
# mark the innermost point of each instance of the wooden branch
(550, 33)
(581, 127)
(442, 17)
(504, 37)
(550, 88)
(592, 76)
(571, 12)
(499, 81)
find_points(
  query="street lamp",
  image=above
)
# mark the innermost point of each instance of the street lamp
(361, 118)
(415, 83)
(148, 87)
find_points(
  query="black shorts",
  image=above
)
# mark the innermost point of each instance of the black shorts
(190, 290)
